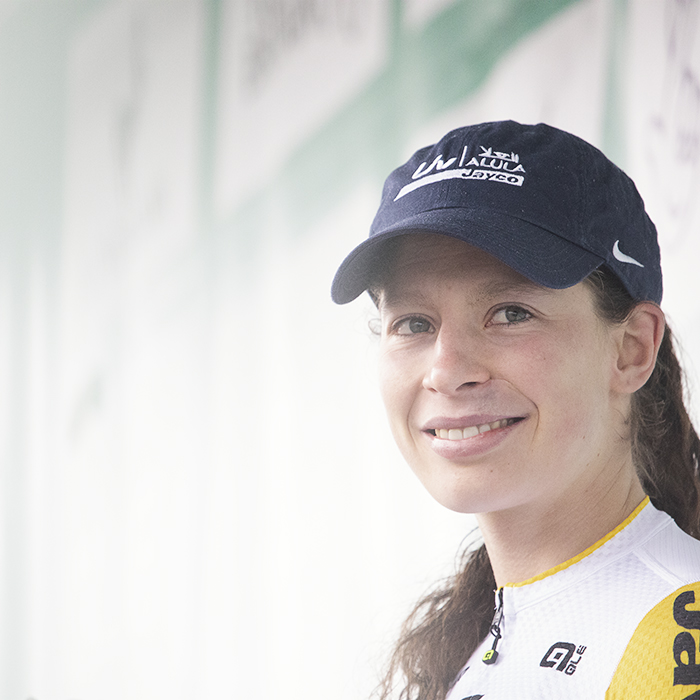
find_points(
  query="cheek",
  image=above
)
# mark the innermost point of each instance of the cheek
(398, 381)
(570, 386)
(389, 385)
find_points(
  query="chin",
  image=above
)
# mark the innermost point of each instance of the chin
(461, 498)
(468, 491)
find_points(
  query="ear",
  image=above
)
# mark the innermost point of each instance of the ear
(639, 341)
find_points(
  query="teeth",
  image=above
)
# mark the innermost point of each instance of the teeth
(472, 430)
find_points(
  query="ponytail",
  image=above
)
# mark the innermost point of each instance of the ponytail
(448, 624)
(665, 445)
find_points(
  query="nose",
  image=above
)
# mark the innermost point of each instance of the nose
(458, 360)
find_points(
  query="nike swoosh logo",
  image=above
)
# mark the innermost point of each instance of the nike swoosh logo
(619, 255)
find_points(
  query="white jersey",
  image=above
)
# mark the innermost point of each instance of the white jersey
(619, 621)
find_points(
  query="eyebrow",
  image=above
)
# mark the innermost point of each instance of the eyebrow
(496, 288)
(383, 300)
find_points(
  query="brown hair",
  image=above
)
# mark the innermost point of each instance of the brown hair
(448, 624)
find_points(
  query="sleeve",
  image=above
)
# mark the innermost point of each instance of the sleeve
(662, 659)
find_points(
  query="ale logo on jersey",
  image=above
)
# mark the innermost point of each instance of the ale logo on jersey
(487, 165)
(562, 656)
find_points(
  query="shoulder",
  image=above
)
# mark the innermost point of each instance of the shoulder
(672, 554)
(662, 659)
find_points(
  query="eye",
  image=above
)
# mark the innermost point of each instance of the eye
(412, 326)
(510, 315)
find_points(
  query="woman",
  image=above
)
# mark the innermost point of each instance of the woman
(529, 378)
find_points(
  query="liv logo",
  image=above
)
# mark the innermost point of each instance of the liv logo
(438, 164)
(561, 656)
(488, 165)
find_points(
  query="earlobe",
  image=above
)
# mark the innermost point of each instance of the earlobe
(641, 336)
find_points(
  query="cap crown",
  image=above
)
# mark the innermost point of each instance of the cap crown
(544, 201)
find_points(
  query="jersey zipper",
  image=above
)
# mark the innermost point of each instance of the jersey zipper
(491, 655)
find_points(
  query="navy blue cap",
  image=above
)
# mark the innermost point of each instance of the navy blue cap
(541, 200)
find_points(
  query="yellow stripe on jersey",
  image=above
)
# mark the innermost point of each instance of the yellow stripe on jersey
(662, 660)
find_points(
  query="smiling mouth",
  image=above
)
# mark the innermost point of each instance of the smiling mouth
(472, 430)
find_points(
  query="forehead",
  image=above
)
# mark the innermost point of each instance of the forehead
(417, 260)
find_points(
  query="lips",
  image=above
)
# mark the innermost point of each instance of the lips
(469, 437)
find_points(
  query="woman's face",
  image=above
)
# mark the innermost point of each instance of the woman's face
(498, 391)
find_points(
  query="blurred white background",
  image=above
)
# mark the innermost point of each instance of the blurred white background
(199, 497)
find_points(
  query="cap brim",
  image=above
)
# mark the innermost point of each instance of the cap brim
(540, 255)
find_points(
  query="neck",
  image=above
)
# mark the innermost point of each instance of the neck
(527, 540)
